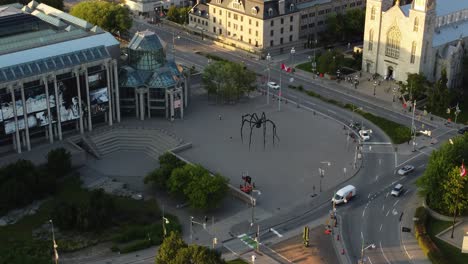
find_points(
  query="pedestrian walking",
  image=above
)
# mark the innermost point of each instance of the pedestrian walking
(220, 117)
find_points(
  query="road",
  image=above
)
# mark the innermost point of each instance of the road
(373, 216)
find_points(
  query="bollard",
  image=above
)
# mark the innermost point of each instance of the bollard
(338, 237)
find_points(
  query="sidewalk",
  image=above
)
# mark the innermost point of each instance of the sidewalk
(408, 240)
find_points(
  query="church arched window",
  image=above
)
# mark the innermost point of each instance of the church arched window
(416, 24)
(372, 13)
(393, 43)
(371, 39)
(413, 52)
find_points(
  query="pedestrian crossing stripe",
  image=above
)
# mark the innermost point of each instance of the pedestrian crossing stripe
(248, 241)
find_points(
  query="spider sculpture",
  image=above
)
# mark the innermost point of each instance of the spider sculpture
(255, 122)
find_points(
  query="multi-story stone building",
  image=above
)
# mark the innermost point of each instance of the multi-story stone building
(253, 25)
(426, 36)
(261, 26)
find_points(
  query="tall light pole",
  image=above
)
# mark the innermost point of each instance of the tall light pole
(164, 222)
(314, 64)
(413, 130)
(293, 52)
(268, 58)
(322, 171)
(56, 257)
(375, 85)
(173, 43)
(364, 248)
(457, 112)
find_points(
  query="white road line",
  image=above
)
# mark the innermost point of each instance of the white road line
(406, 161)
(278, 254)
(333, 112)
(235, 253)
(362, 236)
(388, 212)
(368, 196)
(369, 259)
(364, 211)
(276, 232)
(396, 203)
(387, 195)
(383, 253)
(381, 225)
(383, 207)
(396, 162)
(310, 103)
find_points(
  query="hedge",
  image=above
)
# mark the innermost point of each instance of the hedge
(424, 240)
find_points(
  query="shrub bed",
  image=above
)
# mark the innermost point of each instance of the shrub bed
(424, 240)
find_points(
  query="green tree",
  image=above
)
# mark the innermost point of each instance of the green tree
(228, 79)
(59, 162)
(328, 62)
(345, 27)
(454, 192)
(416, 86)
(181, 178)
(438, 94)
(178, 14)
(167, 163)
(168, 250)
(440, 165)
(112, 17)
(197, 254)
(206, 192)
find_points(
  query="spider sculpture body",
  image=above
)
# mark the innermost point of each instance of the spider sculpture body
(258, 122)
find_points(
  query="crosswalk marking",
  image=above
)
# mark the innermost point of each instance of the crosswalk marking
(276, 232)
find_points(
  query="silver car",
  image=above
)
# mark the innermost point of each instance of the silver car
(273, 85)
(397, 190)
(406, 170)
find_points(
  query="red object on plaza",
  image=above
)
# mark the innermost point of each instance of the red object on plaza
(327, 231)
(463, 170)
(248, 185)
(285, 68)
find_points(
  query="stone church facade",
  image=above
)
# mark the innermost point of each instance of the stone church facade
(426, 36)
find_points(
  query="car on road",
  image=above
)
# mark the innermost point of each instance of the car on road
(397, 190)
(273, 85)
(463, 130)
(365, 134)
(406, 170)
(344, 194)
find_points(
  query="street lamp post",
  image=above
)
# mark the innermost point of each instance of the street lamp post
(56, 257)
(174, 37)
(164, 222)
(413, 130)
(365, 248)
(375, 86)
(394, 92)
(322, 172)
(268, 58)
(293, 52)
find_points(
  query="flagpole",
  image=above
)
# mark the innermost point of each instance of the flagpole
(279, 97)
(54, 244)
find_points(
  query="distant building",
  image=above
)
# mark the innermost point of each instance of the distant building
(259, 26)
(426, 36)
(152, 8)
(58, 74)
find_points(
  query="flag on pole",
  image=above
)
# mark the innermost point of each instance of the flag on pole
(285, 68)
(462, 170)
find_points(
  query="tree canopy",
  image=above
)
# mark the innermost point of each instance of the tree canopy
(178, 14)
(174, 250)
(229, 80)
(346, 27)
(439, 175)
(111, 17)
(167, 163)
(328, 61)
(439, 95)
(416, 86)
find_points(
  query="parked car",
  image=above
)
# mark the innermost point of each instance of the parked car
(273, 85)
(406, 170)
(397, 190)
(365, 134)
(463, 130)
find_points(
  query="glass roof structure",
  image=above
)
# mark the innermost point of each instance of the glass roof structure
(52, 64)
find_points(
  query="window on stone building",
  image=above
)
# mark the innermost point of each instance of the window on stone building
(271, 43)
(234, 16)
(256, 23)
(291, 18)
(413, 52)
(282, 21)
(304, 16)
(291, 7)
(256, 33)
(271, 32)
(290, 38)
(250, 21)
(250, 31)
(242, 28)
(393, 43)
(214, 19)
(416, 24)
(371, 40)
(214, 29)
(272, 23)
(281, 30)
(270, 12)
(291, 28)
(372, 13)
(229, 24)
(220, 12)
(281, 41)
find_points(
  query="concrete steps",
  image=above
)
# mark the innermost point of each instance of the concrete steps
(153, 142)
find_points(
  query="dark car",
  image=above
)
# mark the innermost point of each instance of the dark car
(462, 130)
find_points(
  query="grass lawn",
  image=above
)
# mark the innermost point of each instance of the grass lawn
(451, 253)
(306, 66)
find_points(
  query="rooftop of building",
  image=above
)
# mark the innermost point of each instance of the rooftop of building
(38, 25)
(450, 33)
(443, 7)
(312, 3)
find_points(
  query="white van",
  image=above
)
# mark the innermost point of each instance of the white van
(344, 194)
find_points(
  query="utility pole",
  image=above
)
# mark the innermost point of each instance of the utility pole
(268, 58)
(413, 130)
(279, 94)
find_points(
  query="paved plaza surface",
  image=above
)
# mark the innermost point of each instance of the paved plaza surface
(285, 173)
